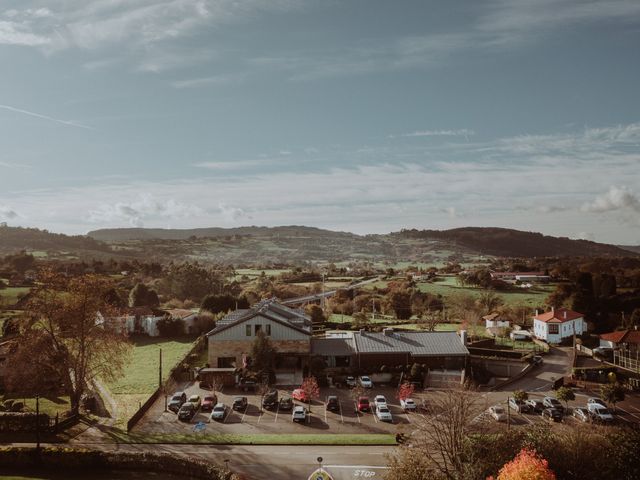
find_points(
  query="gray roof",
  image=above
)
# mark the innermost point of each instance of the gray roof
(329, 347)
(415, 343)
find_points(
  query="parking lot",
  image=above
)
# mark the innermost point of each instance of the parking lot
(254, 419)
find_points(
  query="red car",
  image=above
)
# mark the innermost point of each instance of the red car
(300, 395)
(363, 404)
(208, 402)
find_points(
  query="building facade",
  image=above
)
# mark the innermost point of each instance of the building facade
(558, 324)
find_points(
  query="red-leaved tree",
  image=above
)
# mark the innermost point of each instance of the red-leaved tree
(406, 390)
(527, 465)
(311, 389)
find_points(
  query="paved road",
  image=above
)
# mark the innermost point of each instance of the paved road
(277, 462)
(557, 363)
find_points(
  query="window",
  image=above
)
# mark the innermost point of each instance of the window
(248, 330)
(554, 328)
(268, 329)
(257, 328)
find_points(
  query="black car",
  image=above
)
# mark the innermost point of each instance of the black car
(186, 412)
(270, 400)
(239, 403)
(177, 399)
(286, 403)
(550, 402)
(333, 405)
(554, 414)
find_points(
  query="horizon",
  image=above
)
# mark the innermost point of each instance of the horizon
(355, 116)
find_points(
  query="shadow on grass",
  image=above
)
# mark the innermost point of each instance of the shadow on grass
(145, 340)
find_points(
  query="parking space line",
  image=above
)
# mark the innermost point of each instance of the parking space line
(325, 413)
(224, 420)
(260, 416)
(277, 411)
(244, 413)
(340, 406)
(628, 413)
(357, 412)
(375, 417)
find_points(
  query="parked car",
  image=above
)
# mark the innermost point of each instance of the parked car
(239, 403)
(285, 403)
(300, 395)
(196, 401)
(550, 402)
(581, 414)
(187, 412)
(332, 403)
(270, 399)
(535, 406)
(363, 404)
(299, 414)
(208, 402)
(365, 382)
(383, 413)
(599, 413)
(498, 413)
(552, 414)
(537, 360)
(596, 401)
(350, 381)
(177, 399)
(408, 405)
(519, 405)
(379, 400)
(218, 412)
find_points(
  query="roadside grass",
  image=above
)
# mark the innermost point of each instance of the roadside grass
(260, 438)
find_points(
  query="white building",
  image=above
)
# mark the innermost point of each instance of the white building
(495, 320)
(558, 324)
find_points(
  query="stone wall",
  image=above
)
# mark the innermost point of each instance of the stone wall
(237, 348)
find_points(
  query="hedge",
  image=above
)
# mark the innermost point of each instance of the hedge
(61, 459)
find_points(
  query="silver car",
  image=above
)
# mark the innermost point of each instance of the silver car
(383, 413)
(218, 412)
(581, 414)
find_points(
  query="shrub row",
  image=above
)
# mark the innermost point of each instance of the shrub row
(22, 422)
(61, 459)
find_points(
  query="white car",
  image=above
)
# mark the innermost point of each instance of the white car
(498, 413)
(365, 382)
(596, 401)
(581, 414)
(380, 400)
(299, 414)
(218, 412)
(351, 381)
(383, 413)
(600, 413)
(408, 405)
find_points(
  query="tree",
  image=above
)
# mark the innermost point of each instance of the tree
(405, 391)
(191, 281)
(263, 354)
(142, 296)
(262, 389)
(488, 301)
(317, 315)
(527, 466)
(564, 394)
(311, 389)
(612, 393)
(71, 333)
(360, 319)
(430, 320)
(223, 303)
(520, 395)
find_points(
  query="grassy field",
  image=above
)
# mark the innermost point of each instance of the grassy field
(141, 374)
(10, 294)
(50, 405)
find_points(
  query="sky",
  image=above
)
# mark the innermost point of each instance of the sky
(355, 115)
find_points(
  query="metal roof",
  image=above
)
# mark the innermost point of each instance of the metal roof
(343, 346)
(415, 343)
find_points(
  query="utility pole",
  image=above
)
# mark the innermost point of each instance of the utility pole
(322, 298)
(373, 309)
(160, 370)
(38, 424)
(508, 415)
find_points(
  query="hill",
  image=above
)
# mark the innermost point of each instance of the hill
(630, 248)
(506, 242)
(19, 238)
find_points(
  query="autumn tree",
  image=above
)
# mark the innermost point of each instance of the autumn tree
(612, 393)
(311, 389)
(526, 466)
(520, 395)
(405, 390)
(70, 333)
(564, 394)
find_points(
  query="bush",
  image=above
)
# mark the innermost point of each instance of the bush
(17, 406)
(169, 327)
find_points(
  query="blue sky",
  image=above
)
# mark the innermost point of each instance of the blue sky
(364, 116)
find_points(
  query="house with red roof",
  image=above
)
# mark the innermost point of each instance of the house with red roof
(627, 340)
(558, 324)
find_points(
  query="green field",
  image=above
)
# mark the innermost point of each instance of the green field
(49, 405)
(10, 295)
(141, 374)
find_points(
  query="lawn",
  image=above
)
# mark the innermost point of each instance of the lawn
(49, 405)
(263, 439)
(140, 376)
(11, 294)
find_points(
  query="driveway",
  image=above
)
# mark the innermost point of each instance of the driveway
(557, 363)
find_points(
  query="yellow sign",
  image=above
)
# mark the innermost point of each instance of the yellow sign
(320, 474)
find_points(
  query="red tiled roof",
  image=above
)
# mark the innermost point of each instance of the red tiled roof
(558, 316)
(622, 336)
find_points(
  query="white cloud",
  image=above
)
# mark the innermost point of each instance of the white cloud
(463, 132)
(616, 199)
(7, 213)
(12, 33)
(45, 117)
(232, 214)
(215, 80)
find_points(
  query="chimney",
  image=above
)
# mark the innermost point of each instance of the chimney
(536, 312)
(565, 314)
(362, 331)
(553, 309)
(463, 337)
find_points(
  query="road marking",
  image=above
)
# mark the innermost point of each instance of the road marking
(228, 414)
(375, 417)
(244, 413)
(628, 413)
(277, 411)
(340, 406)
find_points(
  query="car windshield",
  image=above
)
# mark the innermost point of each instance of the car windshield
(498, 410)
(383, 410)
(365, 379)
(364, 400)
(603, 411)
(186, 407)
(408, 401)
(176, 398)
(218, 409)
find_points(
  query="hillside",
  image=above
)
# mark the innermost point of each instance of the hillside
(630, 248)
(506, 242)
(18, 238)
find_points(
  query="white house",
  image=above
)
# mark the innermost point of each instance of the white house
(495, 320)
(558, 324)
